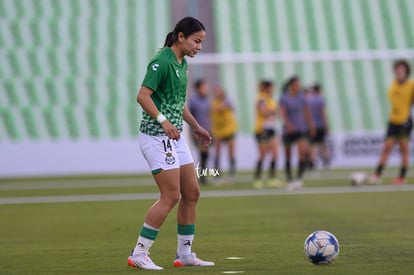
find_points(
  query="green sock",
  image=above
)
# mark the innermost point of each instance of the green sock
(146, 239)
(149, 232)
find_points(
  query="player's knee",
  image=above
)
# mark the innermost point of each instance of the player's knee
(175, 198)
(195, 195)
(192, 196)
(171, 199)
(387, 149)
(303, 155)
(405, 152)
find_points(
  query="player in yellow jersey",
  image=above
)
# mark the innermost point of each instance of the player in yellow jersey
(223, 127)
(265, 132)
(400, 96)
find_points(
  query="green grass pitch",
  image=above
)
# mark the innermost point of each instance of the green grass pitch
(375, 231)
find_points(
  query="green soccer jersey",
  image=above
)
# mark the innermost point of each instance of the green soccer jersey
(168, 80)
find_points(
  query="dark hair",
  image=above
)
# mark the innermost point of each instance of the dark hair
(266, 84)
(188, 26)
(288, 84)
(403, 62)
(316, 87)
(199, 83)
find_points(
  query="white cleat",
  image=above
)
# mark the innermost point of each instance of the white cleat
(275, 183)
(299, 184)
(374, 179)
(190, 260)
(143, 261)
(295, 185)
(258, 184)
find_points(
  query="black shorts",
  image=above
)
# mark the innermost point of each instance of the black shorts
(227, 138)
(319, 137)
(399, 131)
(265, 136)
(292, 138)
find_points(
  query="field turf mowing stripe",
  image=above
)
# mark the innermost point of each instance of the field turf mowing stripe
(207, 194)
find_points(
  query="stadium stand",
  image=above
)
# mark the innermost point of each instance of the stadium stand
(70, 70)
(65, 65)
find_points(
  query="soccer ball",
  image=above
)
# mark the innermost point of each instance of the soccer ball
(358, 178)
(321, 247)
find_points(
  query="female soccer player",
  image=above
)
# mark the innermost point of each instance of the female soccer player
(297, 120)
(199, 106)
(162, 97)
(318, 111)
(224, 126)
(265, 132)
(400, 96)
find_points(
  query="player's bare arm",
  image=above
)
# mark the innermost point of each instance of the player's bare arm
(218, 108)
(285, 118)
(278, 113)
(221, 107)
(325, 120)
(309, 121)
(144, 99)
(264, 110)
(200, 132)
(412, 98)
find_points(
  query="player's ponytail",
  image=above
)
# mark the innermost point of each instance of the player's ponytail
(187, 26)
(170, 39)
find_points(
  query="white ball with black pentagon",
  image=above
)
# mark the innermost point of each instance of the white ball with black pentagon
(321, 247)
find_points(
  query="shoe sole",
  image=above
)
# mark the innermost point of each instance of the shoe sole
(133, 265)
(178, 264)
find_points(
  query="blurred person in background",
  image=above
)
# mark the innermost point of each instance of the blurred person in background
(223, 127)
(199, 106)
(297, 121)
(265, 133)
(318, 146)
(400, 96)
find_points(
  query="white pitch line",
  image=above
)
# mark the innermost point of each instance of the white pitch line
(148, 181)
(207, 194)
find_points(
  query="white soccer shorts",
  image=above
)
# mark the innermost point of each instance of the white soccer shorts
(163, 153)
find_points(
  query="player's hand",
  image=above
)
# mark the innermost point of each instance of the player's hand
(203, 136)
(290, 128)
(171, 131)
(312, 132)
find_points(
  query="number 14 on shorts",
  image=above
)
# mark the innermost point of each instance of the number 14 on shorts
(167, 145)
(169, 158)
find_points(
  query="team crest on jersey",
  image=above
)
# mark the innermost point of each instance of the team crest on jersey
(169, 159)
